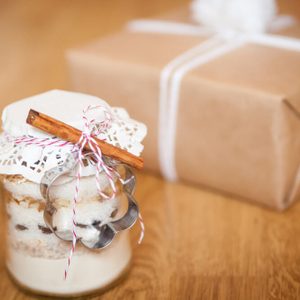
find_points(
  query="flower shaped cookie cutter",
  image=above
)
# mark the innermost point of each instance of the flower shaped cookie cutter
(104, 233)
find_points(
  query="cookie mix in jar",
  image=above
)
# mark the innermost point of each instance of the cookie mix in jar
(69, 205)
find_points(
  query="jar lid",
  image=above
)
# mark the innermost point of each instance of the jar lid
(67, 107)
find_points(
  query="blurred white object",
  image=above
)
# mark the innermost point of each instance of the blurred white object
(251, 16)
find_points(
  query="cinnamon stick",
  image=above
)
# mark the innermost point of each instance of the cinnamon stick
(71, 134)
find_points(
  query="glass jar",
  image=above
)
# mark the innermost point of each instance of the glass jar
(38, 249)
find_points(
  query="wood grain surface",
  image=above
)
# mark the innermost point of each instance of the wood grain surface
(198, 244)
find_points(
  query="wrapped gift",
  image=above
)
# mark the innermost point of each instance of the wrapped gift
(223, 109)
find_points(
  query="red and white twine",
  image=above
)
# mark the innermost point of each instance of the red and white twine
(43, 142)
(87, 139)
(91, 129)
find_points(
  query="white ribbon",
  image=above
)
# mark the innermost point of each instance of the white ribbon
(172, 74)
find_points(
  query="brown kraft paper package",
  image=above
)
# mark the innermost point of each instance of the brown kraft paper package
(238, 123)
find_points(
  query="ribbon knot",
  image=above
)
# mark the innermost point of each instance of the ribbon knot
(91, 128)
(94, 128)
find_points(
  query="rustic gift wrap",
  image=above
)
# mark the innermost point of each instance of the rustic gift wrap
(238, 120)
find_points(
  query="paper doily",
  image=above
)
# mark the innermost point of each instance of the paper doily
(32, 161)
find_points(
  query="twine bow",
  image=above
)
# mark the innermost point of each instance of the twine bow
(91, 128)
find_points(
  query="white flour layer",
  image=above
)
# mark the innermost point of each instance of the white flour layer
(65, 190)
(88, 272)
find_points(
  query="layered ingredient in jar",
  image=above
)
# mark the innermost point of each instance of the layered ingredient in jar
(35, 252)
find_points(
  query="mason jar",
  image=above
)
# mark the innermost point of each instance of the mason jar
(39, 254)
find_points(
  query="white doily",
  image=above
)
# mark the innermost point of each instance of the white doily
(32, 161)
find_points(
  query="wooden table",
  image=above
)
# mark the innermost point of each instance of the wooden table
(198, 244)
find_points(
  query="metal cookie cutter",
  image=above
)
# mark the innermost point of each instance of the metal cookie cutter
(105, 233)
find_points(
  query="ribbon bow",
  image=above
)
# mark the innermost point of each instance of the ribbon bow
(91, 128)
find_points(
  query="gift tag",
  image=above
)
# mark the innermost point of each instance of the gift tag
(95, 235)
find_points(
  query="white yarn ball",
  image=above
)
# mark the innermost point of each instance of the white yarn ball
(251, 16)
